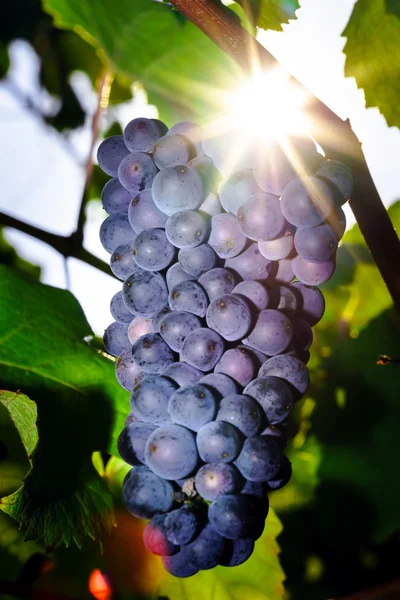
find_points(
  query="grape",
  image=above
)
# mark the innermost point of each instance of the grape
(255, 489)
(143, 213)
(311, 302)
(299, 353)
(230, 316)
(337, 222)
(233, 516)
(211, 205)
(171, 451)
(177, 188)
(132, 441)
(192, 132)
(202, 349)
(219, 441)
(115, 338)
(215, 479)
(151, 353)
(259, 459)
(114, 197)
(145, 293)
(149, 399)
(307, 202)
(274, 396)
(283, 475)
(137, 172)
(152, 251)
(118, 309)
(277, 434)
(116, 230)
(283, 298)
(336, 173)
(236, 190)
(217, 282)
(139, 327)
(156, 320)
(175, 326)
(280, 162)
(196, 261)
(272, 332)
(188, 296)
(207, 171)
(221, 383)
(313, 273)
(284, 271)
(279, 248)
(237, 552)
(182, 524)
(250, 264)
(142, 134)
(110, 153)
(316, 244)
(261, 218)
(176, 274)
(302, 334)
(127, 371)
(243, 412)
(258, 357)
(253, 291)
(155, 537)
(226, 239)
(172, 150)
(205, 551)
(178, 565)
(121, 263)
(290, 369)
(239, 364)
(182, 373)
(186, 229)
(192, 406)
(145, 494)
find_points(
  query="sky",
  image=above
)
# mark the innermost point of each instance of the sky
(42, 176)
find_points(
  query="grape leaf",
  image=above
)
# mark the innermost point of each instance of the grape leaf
(80, 407)
(273, 13)
(23, 413)
(373, 55)
(261, 577)
(393, 6)
(181, 69)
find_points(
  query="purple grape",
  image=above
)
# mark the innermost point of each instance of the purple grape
(219, 441)
(132, 442)
(177, 188)
(142, 134)
(192, 132)
(221, 383)
(274, 395)
(236, 190)
(137, 171)
(279, 248)
(196, 261)
(121, 263)
(152, 250)
(302, 333)
(118, 309)
(145, 293)
(337, 222)
(277, 434)
(158, 317)
(116, 230)
(187, 229)
(237, 552)
(182, 373)
(205, 551)
(272, 333)
(261, 218)
(311, 302)
(188, 296)
(289, 368)
(176, 274)
(127, 371)
(243, 412)
(114, 197)
(115, 338)
(178, 565)
(226, 239)
(283, 298)
(176, 325)
(259, 459)
(192, 406)
(209, 174)
(233, 516)
(239, 364)
(230, 316)
(254, 291)
(211, 205)
(183, 524)
(202, 349)
(316, 244)
(172, 150)
(313, 273)
(282, 477)
(143, 213)
(307, 202)
(216, 479)
(284, 272)
(338, 174)
(171, 451)
(258, 357)
(250, 264)
(110, 154)
(149, 399)
(145, 494)
(139, 327)
(217, 282)
(155, 537)
(151, 353)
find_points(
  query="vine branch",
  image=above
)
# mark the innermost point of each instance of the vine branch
(334, 135)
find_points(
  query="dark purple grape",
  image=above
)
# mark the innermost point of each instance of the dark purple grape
(313, 273)
(221, 383)
(311, 302)
(219, 441)
(149, 399)
(183, 524)
(237, 552)
(254, 291)
(137, 171)
(176, 274)
(114, 197)
(145, 494)
(187, 229)
(141, 134)
(283, 298)
(282, 477)
(230, 316)
(216, 479)
(192, 406)
(302, 333)
(279, 248)
(196, 261)
(116, 230)
(202, 349)
(176, 325)
(144, 293)
(110, 154)
(289, 368)
(243, 412)
(171, 451)
(239, 364)
(274, 396)
(118, 309)
(188, 296)
(233, 516)
(205, 551)
(259, 459)
(338, 174)
(178, 564)
(217, 282)
(151, 353)
(316, 244)
(272, 332)
(132, 441)
(182, 373)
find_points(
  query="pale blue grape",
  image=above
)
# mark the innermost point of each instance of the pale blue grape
(127, 371)
(217, 282)
(149, 399)
(313, 273)
(176, 325)
(177, 188)
(339, 174)
(211, 205)
(243, 412)
(114, 197)
(253, 291)
(202, 349)
(219, 441)
(289, 368)
(261, 218)
(259, 459)
(272, 332)
(274, 396)
(187, 229)
(182, 373)
(145, 293)
(209, 174)
(176, 274)
(216, 479)
(138, 327)
(171, 451)
(143, 213)
(158, 317)
(122, 263)
(230, 316)
(192, 132)
(189, 296)
(221, 383)
(226, 239)
(119, 310)
(279, 248)
(115, 338)
(239, 364)
(196, 261)
(110, 154)
(152, 251)
(311, 302)
(236, 190)
(307, 202)
(172, 150)
(192, 406)
(250, 264)
(116, 230)
(141, 134)
(137, 171)
(145, 494)
(316, 244)
(151, 353)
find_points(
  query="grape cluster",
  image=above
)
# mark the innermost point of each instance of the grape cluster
(211, 331)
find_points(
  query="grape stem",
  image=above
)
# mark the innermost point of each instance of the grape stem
(334, 135)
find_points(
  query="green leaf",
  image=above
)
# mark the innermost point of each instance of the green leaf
(23, 413)
(80, 407)
(373, 55)
(260, 578)
(273, 13)
(393, 6)
(177, 64)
